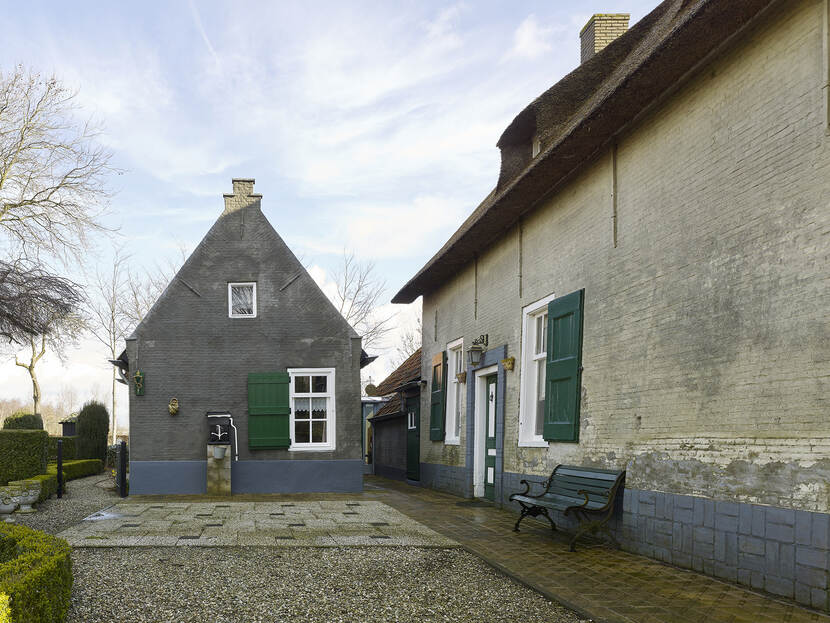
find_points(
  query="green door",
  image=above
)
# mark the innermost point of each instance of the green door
(490, 440)
(413, 438)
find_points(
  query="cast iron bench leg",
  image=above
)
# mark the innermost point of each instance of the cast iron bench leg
(533, 511)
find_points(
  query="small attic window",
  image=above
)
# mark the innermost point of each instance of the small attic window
(537, 146)
(242, 300)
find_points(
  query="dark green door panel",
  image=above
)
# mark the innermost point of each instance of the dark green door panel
(490, 440)
(413, 438)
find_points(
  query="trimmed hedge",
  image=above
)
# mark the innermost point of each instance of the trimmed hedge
(77, 469)
(22, 454)
(35, 576)
(48, 486)
(92, 430)
(69, 448)
(26, 421)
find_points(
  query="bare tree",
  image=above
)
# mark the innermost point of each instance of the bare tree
(106, 319)
(144, 289)
(61, 332)
(410, 341)
(359, 293)
(52, 169)
(31, 299)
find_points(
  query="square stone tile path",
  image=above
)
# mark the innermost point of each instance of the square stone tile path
(324, 523)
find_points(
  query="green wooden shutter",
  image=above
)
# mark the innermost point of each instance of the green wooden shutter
(563, 371)
(438, 394)
(269, 411)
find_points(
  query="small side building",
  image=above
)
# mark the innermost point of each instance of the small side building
(396, 425)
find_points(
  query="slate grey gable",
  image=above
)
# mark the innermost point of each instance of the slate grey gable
(189, 348)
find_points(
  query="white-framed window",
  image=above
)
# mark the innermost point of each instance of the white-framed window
(410, 420)
(534, 351)
(536, 145)
(312, 408)
(455, 392)
(242, 300)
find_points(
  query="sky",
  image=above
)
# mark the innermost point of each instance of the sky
(369, 126)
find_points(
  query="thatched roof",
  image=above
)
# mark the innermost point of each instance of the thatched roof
(580, 116)
(407, 372)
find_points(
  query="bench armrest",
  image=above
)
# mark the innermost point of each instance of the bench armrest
(528, 482)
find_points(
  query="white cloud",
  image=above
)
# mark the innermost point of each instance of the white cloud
(531, 40)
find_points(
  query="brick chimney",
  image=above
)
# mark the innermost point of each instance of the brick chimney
(242, 197)
(601, 30)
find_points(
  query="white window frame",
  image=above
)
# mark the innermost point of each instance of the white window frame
(454, 348)
(230, 299)
(527, 393)
(410, 420)
(331, 418)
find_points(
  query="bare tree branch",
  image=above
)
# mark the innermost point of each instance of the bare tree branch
(31, 299)
(52, 169)
(359, 293)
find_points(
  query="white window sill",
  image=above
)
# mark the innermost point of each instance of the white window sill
(294, 448)
(452, 442)
(536, 443)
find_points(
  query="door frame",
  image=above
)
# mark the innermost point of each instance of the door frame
(480, 426)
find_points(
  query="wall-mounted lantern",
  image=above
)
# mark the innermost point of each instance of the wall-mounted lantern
(173, 406)
(477, 349)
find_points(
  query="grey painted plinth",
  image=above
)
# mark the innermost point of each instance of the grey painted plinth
(301, 476)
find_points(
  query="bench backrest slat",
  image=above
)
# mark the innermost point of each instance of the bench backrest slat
(567, 481)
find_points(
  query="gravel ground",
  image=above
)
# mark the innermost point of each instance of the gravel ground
(268, 584)
(83, 497)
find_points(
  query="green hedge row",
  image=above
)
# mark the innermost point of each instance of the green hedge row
(69, 446)
(78, 469)
(23, 454)
(48, 486)
(35, 576)
(27, 421)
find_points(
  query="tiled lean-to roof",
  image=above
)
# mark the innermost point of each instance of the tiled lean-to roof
(579, 117)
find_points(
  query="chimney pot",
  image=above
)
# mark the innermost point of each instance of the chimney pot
(601, 30)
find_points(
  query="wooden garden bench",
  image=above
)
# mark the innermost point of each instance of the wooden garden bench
(586, 492)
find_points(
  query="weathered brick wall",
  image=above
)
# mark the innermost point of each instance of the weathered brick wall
(706, 341)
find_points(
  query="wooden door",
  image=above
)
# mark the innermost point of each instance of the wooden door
(490, 440)
(413, 438)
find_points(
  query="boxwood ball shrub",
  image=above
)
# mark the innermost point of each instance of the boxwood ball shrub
(35, 576)
(92, 429)
(28, 421)
(23, 454)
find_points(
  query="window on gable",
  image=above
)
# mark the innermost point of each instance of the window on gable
(312, 408)
(534, 351)
(455, 391)
(242, 300)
